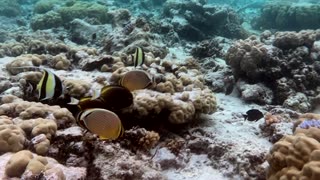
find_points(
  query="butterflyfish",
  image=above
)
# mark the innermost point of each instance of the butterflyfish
(111, 97)
(138, 57)
(116, 97)
(136, 79)
(106, 124)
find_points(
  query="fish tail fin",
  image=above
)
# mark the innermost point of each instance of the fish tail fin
(73, 101)
(245, 116)
(95, 94)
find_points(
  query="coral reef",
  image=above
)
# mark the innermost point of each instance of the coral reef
(193, 20)
(187, 95)
(81, 9)
(139, 37)
(10, 8)
(282, 62)
(46, 21)
(288, 16)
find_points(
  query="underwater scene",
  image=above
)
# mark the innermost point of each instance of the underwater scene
(160, 89)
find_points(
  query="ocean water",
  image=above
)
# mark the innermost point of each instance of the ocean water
(217, 87)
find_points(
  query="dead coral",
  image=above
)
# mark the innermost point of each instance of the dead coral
(141, 138)
(116, 163)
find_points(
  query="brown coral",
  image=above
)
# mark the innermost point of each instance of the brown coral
(12, 138)
(60, 61)
(181, 110)
(22, 61)
(76, 88)
(292, 158)
(141, 138)
(31, 110)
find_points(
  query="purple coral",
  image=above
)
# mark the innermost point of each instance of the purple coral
(306, 124)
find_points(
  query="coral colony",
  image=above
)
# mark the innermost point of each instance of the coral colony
(159, 89)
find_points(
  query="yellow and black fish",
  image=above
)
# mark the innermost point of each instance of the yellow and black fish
(111, 97)
(50, 86)
(138, 57)
(106, 124)
(136, 79)
(116, 97)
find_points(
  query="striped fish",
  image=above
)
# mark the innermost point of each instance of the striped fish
(138, 57)
(106, 124)
(50, 86)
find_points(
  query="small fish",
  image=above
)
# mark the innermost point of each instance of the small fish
(138, 57)
(253, 115)
(94, 36)
(136, 79)
(106, 124)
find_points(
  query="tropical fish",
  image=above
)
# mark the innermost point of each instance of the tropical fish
(87, 103)
(50, 86)
(253, 115)
(112, 97)
(106, 124)
(138, 57)
(136, 79)
(116, 97)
